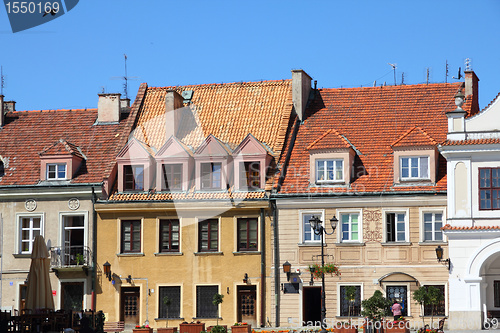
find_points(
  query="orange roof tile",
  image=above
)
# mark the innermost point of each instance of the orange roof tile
(415, 136)
(372, 119)
(477, 227)
(471, 142)
(28, 133)
(62, 147)
(329, 139)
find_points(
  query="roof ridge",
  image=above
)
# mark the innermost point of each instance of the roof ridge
(392, 87)
(52, 110)
(222, 84)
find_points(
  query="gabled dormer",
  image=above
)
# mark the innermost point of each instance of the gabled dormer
(415, 157)
(251, 159)
(174, 165)
(60, 161)
(212, 161)
(331, 158)
(135, 167)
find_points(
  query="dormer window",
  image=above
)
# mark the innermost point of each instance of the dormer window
(329, 170)
(172, 177)
(250, 175)
(56, 171)
(133, 177)
(415, 167)
(211, 175)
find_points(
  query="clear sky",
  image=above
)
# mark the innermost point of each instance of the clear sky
(66, 62)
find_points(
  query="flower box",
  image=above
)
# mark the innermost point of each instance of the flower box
(209, 328)
(241, 329)
(166, 330)
(143, 330)
(191, 328)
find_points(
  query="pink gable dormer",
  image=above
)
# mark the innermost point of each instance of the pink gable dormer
(251, 159)
(135, 167)
(60, 161)
(174, 165)
(212, 164)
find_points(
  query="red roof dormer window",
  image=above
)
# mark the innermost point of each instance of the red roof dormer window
(251, 161)
(56, 171)
(174, 164)
(135, 167)
(212, 161)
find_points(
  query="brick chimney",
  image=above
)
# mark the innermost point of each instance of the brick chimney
(108, 108)
(472, 91)
(173, 102)
(301, 87)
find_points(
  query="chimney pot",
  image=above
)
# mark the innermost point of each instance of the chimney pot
(301, 87)
(9, 106)
(173, 102)
(108, 108)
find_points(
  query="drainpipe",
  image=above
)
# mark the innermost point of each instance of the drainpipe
(94, 250)
(262, 268)
(277, 300)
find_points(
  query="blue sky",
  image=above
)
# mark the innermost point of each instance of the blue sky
(65, 63)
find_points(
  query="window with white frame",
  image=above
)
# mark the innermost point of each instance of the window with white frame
(29, 228)
(350, 301)
(350, 227)
(414, 167)
(330, 170)
(395, 227)
(432, 226)
(308, 232)
(56, 171)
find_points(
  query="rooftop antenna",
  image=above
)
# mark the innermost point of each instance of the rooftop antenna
(2, 80)
(427, 75)
(459, 76)
(468, 65)
(402, 78)
(125, 78)
(394, 69)
(446, 77)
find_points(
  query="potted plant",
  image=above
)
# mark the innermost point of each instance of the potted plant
(427, 296)
(142, 329)
(217, 299)
(240, 327)
(79, 259)
(374, 309)
(193, 327)
(167, 301)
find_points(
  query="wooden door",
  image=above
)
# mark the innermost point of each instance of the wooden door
(247, 305)
(130, 306)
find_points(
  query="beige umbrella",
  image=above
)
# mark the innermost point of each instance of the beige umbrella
(39, 291)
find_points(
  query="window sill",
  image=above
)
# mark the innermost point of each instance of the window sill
(220, 318)
(350, 244)
(396, 244)
(138, 254)
(313, 244)
(415, 182)
(240, 253)
(432, 243)
(18, 255)
(160, 254)
(173, 318)
(208, 253)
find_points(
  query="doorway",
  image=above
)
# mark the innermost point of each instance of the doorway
(130, 306)
(311, 305)
(399, 293)
(247, 305)
(72, 296)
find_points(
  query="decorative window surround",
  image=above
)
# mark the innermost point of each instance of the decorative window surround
(345, 154)
(135, 153)
(174, 152)
(432, 155)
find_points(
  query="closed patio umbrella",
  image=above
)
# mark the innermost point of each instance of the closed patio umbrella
(39, 290)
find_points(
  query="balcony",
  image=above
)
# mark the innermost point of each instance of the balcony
(70, 259)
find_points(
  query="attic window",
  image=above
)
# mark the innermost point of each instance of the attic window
(56, 171)
(330, 170)
(133, 177)
(415, 167)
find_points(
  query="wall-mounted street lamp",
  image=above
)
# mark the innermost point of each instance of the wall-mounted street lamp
(245, 278)
(129, 279)
(107, 270)
(286, 269)
(439, 255)
(318, 228)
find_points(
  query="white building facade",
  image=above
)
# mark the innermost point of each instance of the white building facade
(472, 151)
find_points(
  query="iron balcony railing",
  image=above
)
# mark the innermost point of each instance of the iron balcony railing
(68, 256)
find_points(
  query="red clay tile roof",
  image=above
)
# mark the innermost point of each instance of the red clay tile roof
(62, 147)
(28, 133)
(229, 112)
(471, 142)
(477, 227)
(372, 119)
(329, 139)
(414, 137)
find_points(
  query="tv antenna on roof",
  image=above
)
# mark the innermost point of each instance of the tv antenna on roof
(459, 76)
(468, 64)
(394, 66)
(2, 80)
(125, 78)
